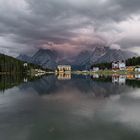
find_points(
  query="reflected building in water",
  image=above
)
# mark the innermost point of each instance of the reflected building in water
(95, 76)
(137, 76)
(63, 72)
(137, 69)
(119, 79)
(64, 76)
(25, 80)
(130, 76)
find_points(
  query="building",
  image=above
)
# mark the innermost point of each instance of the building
(63, 69)
(25, 64)
(115, 65)
(137, 69)
(119, 65)
(122, 65)
(40, 71)
(37, 72)
(95, 69)
(130, 68)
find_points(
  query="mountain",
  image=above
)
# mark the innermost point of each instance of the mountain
(115, 55)
(99, 54)
(25, 58)
(81, 61)
(86, 58)
(43, 57)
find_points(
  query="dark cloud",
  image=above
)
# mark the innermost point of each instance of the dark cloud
(26, 25)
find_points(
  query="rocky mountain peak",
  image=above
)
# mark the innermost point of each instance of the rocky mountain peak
(49, 58)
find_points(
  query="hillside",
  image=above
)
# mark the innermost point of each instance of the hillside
(12, 65)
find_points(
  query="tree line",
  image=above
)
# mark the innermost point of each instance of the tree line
(103, 65)
(135, 61)
(12, 65)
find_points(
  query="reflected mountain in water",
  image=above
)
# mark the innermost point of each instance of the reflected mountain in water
(95, 85)
(49, 108)
(102, 87)
(44, 85)
(10, 81)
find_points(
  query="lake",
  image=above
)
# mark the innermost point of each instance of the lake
(70, 107)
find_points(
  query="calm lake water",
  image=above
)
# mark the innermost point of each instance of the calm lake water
(71, 108)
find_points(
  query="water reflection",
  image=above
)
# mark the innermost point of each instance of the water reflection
(137, 76)
(130, 80)
(82, 108)
(99, 86)
(63, 76)
(119, 79)
(9, 81)
(50, 84)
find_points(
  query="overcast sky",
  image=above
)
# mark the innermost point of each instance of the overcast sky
(68, 25)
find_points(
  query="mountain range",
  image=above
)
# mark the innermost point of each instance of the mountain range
(43, 57)
(50, 58)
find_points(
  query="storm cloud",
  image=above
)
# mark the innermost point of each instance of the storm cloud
(68, 25)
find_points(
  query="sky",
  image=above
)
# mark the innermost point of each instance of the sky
(68, 26)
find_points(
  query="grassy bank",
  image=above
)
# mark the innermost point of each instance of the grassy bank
(105, 72)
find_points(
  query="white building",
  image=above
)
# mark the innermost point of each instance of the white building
(115, 65)
(95, 69)
(40, 71)
(63, 68)
(121, 65)
(25, 64)
(137, 69)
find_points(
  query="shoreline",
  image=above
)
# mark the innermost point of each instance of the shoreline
(106, 72)
(100, 72)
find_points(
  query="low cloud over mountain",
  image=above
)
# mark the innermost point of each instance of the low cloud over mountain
(68, 26)
(50, 59)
